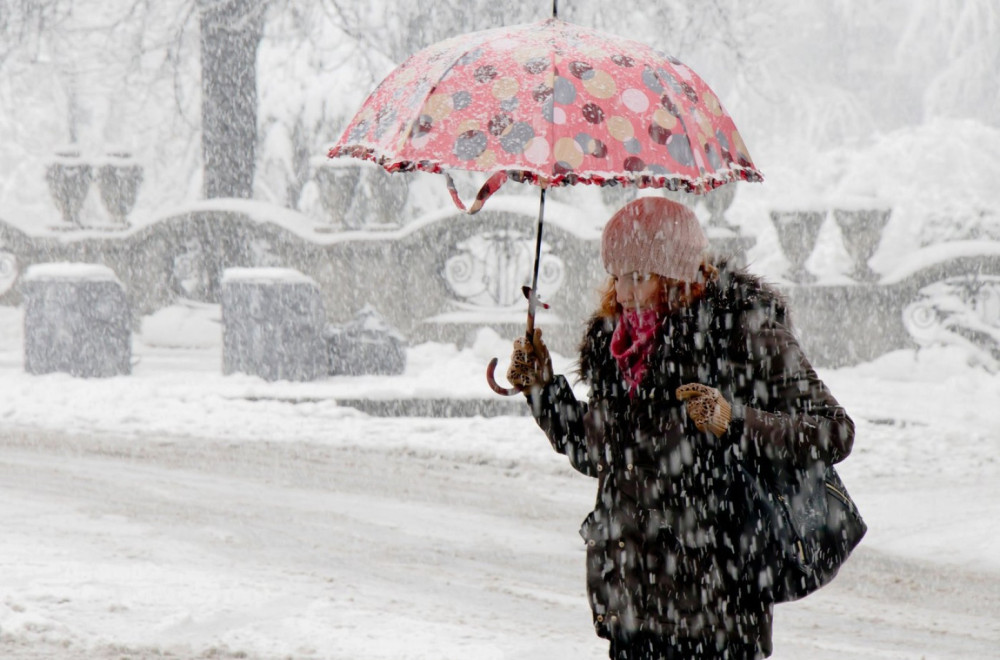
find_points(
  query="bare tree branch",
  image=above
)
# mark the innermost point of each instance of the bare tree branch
(23, 21)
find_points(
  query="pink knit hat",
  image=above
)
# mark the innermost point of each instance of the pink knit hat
(654, 235)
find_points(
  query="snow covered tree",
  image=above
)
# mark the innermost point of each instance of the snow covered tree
(230, 32)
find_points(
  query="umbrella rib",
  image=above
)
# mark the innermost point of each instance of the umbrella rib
(555, 127)
(714, 179)
(451, 65)
(700, 157)
(533, 298)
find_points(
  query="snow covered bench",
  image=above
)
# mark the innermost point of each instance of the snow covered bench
(76, 320)
(272, 324)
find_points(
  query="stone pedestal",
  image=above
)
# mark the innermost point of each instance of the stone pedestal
(76, 321)
(272, 324)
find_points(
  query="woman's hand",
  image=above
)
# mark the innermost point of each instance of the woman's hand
(530, 364)
(706, 407)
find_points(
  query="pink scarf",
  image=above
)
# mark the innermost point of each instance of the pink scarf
(633, 341)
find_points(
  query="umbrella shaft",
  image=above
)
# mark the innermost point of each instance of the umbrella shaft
(532, 299)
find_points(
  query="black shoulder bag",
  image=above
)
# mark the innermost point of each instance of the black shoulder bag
(805, 525)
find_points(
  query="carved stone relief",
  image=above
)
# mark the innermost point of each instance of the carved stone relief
(489, 269)
(957, 310)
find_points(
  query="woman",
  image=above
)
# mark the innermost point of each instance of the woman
(691, 367)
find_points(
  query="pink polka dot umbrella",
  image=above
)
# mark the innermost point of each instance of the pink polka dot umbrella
(554, 104)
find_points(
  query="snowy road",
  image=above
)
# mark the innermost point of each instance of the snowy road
(118, 548)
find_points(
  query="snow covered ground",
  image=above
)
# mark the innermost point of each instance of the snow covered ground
(180, 513)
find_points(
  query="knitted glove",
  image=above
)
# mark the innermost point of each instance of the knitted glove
(530, 364)
(706, 407)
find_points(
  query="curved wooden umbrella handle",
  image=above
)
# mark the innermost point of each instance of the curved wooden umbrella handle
(532, 295)
(503, 391)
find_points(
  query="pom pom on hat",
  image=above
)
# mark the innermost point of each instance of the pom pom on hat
(654, 235)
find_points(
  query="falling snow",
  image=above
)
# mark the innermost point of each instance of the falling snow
(177, 512)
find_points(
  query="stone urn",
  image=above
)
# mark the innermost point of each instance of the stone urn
(68, 178)
(337, 181)
(383, 200)
(360, 195)
(797, 234)
(615, 195)
(861, 229)
(717, 202)
(8, 271)
(725, 238)
(730, 245)
(119, 179)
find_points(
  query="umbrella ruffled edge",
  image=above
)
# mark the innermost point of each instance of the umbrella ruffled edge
(699, 186)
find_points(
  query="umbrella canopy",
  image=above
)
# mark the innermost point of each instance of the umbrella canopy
(554, 104)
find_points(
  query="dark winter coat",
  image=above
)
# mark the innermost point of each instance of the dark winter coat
(667, 536)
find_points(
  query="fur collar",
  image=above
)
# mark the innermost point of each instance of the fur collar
(734, 291)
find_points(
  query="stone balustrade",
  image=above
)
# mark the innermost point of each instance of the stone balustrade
(444, 276)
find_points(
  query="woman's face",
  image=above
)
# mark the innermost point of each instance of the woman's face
(641, 291)
(638, 291)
